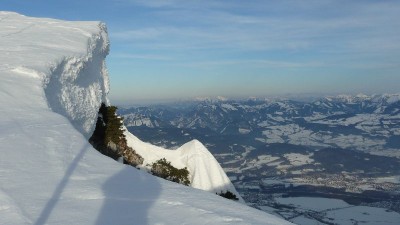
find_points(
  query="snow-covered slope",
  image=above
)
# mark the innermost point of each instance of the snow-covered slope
(66, 61)
(205, 171)
(52, 81)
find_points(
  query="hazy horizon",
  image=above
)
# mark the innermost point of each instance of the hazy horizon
(163, 50)
(305, 97)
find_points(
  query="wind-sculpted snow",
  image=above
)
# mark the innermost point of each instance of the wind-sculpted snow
(78, 85)
(52, 82)
(66, 58)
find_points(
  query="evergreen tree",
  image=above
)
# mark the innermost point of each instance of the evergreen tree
(162, 168)
(114, 131)
(109, 139)
(228, 195)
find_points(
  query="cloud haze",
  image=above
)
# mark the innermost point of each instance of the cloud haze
(163, 49)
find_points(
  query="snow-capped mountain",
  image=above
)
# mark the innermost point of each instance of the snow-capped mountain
(52, 83)
(334, 149)
(358, 115)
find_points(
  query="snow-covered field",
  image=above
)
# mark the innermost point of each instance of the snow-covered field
(294, 134)
(337, 212)
(52, 82)
(317, 204)
(297, 159)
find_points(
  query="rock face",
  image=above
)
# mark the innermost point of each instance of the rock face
(108, 137)
(129, 155)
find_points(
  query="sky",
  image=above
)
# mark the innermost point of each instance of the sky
(165, 50)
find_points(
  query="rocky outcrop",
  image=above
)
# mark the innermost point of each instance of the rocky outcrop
(108, 137)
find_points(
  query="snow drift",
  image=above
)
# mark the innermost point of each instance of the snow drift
(205, 171)
(52, 82)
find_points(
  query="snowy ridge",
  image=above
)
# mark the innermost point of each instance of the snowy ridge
(205, 171)
(382, 98)
(52, 81)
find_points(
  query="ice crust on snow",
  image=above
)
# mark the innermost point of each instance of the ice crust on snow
(52, 82)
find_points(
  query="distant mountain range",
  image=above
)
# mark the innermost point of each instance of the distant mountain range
(361, 122)
(336, 147)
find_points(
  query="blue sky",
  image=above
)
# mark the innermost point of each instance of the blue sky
(180, 49)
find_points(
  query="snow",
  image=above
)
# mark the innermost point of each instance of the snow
(244, 131)
(52, 82)
(268, 160)
(368, 216)
(311, 203)
(67, 91)
(306, 221)
(297, 159)
(222, 98)
(132, 120)
(393, 98)
(391, 179)
(370, 123)
(205, 171)
(269, 182)
(228, 107)
(338, 212)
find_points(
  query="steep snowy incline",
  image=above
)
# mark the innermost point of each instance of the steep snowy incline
(205, 171)
(52, 81)
(67, 60)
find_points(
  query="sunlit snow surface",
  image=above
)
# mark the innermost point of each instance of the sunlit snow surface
(52, 81)
(205, 172)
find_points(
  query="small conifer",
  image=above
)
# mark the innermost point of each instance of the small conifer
(228, 195)
(162, 168)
